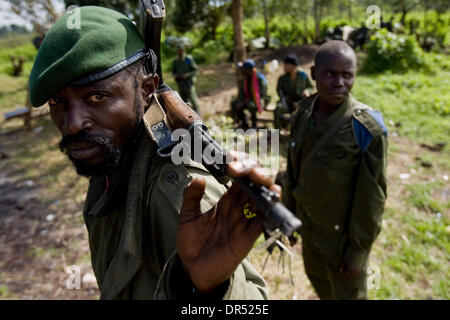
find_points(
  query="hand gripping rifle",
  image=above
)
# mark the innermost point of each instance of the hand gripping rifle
(168, 112)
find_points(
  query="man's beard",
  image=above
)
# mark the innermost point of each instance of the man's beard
(114, 158)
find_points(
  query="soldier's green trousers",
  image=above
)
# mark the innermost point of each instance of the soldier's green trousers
(327, 281)
(278, 112)
(188, 94)
(239, 115)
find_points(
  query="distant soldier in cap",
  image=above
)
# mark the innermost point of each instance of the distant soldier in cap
(336, 176)
(252, 94)
(156, 230)
(292, 87)
(184, 70)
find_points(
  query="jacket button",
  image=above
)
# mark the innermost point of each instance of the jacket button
(293, 144)
(358, 112)
(336, 227)
(171, 176)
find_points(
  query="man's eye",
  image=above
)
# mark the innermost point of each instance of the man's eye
(96, 98)
(54, 101)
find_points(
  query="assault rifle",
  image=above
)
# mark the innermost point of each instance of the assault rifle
(176, 114)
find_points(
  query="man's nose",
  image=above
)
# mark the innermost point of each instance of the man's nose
(76, 119)
(338, 81)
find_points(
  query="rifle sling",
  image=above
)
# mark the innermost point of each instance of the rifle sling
(336, 126)
(157, 126)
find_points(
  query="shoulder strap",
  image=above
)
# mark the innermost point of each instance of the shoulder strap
(324, 139)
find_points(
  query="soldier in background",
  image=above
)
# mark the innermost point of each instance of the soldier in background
(292, 86)
(336, 176)
(252, 94)
(184, 70)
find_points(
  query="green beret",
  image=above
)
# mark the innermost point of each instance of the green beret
(105, 43)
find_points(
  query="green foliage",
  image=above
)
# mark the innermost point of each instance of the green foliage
(433, 24)
(4, 291)
(188, 13)
(27, 51)
(127, 7)
(210, 52)
(421, 197)
(332, 23)
(387, 51)
(288, 30)
(417, 101)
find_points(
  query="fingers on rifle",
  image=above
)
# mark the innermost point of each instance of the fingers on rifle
(276, 188)
(259, 176)
(192, 196)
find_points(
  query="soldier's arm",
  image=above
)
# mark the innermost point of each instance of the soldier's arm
(279, 88)
(193, 68)
(263, 89)
(368, 204)
(174, 68)
(241, 94)
(174, 283)
(309, 84)
(286, 194)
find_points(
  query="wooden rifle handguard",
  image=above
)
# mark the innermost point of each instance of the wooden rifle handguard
(179, 114)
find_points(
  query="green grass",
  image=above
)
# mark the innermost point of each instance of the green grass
(419, 102)
(4, 292)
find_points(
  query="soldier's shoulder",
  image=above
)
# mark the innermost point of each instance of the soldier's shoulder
(262, 77)
(368, 123)
(303, 106)
(189, 59)
(283, 77)
(302, 74)
(306, 103)
(173, 179)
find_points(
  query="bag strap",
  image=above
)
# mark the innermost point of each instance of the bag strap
(336, 126)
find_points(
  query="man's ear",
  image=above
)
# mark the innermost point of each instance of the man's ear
(149, 85)
(313, 73)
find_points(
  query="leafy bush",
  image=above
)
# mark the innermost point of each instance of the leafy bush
(210, 52)
(332, 23)
(436, 26)
(390, 52)
(28, 52)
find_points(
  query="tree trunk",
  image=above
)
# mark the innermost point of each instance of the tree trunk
(237, 13)
(350, 2)
(404, 12)
(305, 26)
(317, 18)
(425, 20)
(213, 31)
(266, 24)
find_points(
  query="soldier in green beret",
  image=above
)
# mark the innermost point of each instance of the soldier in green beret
(336, 176)
(184, 70)
(293, 86)
(156, 229)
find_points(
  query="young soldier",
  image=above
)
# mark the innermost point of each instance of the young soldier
(184, 70)
(292, 86)
(252, 94)
(336, 176)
